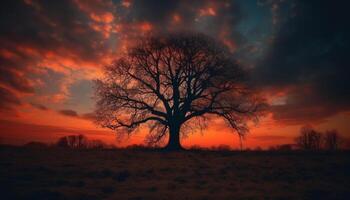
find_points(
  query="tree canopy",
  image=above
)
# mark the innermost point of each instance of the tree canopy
(173, 81)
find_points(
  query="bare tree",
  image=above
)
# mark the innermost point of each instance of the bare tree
(331, 140)
(309, 139)
(172, 82)
(73, 141)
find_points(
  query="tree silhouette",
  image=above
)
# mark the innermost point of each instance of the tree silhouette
(309, 139)
(172, 81)
(73, 141)
(79, 142)
(331, 140)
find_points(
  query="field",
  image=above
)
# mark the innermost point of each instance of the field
(131, 174)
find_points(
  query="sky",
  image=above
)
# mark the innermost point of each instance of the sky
(51, 51)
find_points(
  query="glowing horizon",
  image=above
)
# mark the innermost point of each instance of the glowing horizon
(52, 52)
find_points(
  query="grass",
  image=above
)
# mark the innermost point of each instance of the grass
(130, 174)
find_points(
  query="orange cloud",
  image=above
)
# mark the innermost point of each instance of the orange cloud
(146, 26)
(103, 18)
(207, 12)
(100, 12)
(176, 18)
(126, 3)
(227, 40)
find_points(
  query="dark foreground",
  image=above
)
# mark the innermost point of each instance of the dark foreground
(126, 174)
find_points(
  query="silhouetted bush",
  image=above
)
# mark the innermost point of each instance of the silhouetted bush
(139, 147)
(197, 148)
(221, 147)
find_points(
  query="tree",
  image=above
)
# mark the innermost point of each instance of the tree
(171, 82)
(73, 141)
(309, 139)
(331, 140)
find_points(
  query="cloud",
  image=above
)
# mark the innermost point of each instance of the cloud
(309, 53)
(8, 100)
(81, 94)
(50, 50)
(39, 106)
(89, 116)
(70, 113)
(38, 36)
(305, 104)
(46, 44)
(15, 80)
(216, 18)
(14, 132)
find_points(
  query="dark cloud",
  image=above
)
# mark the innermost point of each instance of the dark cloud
(58, 25)
(51, 82)
(70, 113)
(308, 105)
(15, 80)
(82, 94)
(309, 52)
(89, 116)
(8, 100)
(216, 18)
(42, 34)
(157, 12)
(39, 106)
(307, 49)
(60, 32)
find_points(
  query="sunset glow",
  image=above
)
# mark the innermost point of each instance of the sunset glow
(51, 53)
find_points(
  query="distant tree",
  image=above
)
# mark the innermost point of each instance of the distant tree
(309, 139)
(73, 141)
(81, 142)
(171, 82)
(331, 140)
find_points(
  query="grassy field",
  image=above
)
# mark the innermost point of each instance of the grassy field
(127, 174)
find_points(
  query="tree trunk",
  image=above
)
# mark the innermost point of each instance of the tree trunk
(174, 139)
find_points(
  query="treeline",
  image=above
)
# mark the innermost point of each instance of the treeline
(72, 142)
(311, 139)
(80, 142)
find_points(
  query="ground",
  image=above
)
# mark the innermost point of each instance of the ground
(135, 174)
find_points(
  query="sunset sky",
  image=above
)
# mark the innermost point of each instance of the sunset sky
(51, 51)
